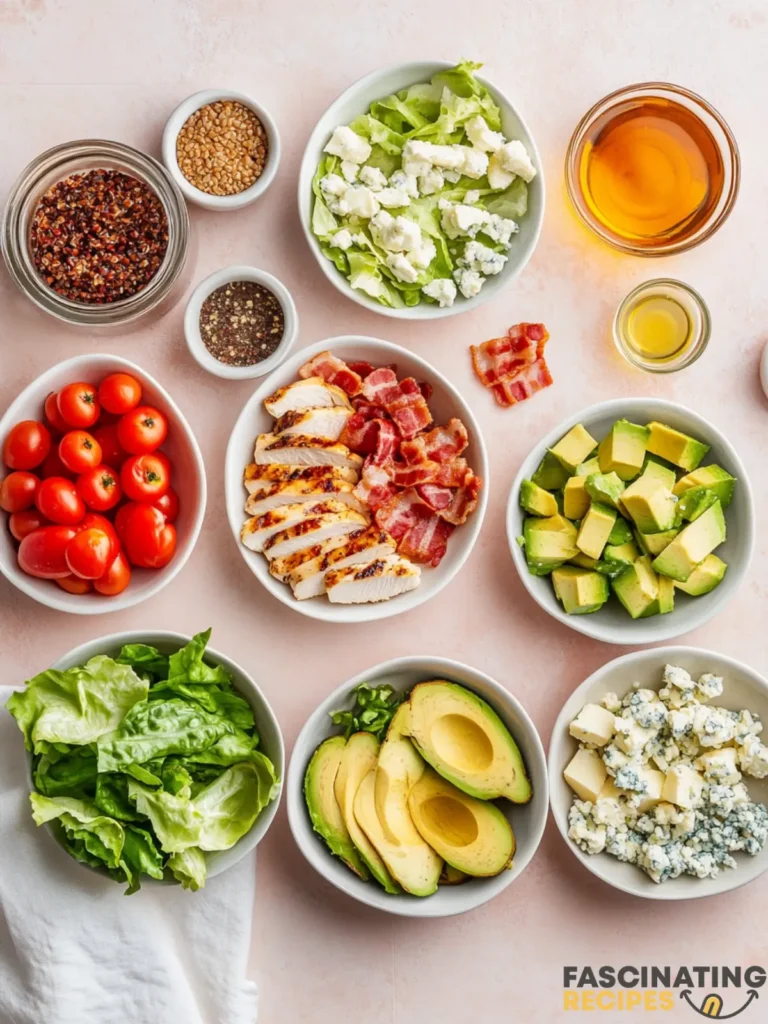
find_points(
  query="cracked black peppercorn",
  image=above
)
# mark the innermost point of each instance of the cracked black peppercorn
(241, 323)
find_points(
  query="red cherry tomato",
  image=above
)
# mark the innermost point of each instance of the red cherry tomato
(92, 520)
(89, 554)
(80, 451)
(112, 454)
(99, 488)
(142, 430)
(144, 477)
(18, 491)
(78, 404)
(59, 501)
(168, 505)
(74, 585)
(148, 540)
(52, 414)
(53, 466)
(22, 523)
(27, 445)
(119, 393)
(115, 579)
(43, 552)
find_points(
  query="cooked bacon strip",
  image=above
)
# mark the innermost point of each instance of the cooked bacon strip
(455, 505)
(533, 378)
(451, 474)
(500, 358)
(403, 400)
(375, 486)
(407, 475)
(427, 540)
(333, 371)
(368, 409)
(426, 389)
(445, 443)
(400, 513)
(361, 368)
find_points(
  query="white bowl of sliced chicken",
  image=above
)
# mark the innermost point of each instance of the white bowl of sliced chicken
(356, 481)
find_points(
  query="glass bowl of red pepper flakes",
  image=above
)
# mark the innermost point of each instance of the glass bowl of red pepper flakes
(96, 234)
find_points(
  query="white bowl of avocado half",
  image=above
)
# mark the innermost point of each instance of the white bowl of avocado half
(425, 795)
(632, 521)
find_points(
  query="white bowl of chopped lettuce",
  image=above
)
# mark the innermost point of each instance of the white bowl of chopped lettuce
(151, 757)
(421, 191)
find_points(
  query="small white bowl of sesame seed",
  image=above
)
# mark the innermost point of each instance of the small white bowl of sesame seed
(240, 323)
(221, 148)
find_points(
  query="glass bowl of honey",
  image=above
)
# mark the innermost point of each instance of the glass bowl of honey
(653, 169)
(662, 326)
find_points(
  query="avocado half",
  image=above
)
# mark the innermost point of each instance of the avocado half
(466, 742)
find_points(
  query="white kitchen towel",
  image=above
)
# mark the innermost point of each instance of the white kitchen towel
(75, 950)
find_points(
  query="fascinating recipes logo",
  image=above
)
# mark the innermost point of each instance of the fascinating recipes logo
(712, 992)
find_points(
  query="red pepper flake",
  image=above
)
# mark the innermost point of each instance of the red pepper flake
(99, 236)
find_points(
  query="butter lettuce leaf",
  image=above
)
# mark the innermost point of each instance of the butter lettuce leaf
(187, 665)
(174, 819)
(73, 773)
(140, 855)
(144, 659)
(189, 868)
(210, 698)
(103, 837)
(231, 804)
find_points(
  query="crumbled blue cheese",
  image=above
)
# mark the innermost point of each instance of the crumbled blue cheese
(395, 234)
(500, 229)
(401, 267)
(753, 757)
(431, 182)
(333, 185)
(361, 202)
(349, 170)
(481, 136)
(472, 196)
(375, 178)
(442, 290)
(709, 686)
(498, 178)
(407, 182)
(342, 239)
(457, 219)
(513, 157)
(482, 259)
(393, 198)
(423, 254)
(348, 145)
(469, 282)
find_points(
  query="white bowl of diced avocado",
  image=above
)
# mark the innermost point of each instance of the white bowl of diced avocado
(632, 521)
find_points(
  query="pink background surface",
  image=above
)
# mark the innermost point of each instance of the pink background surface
(78, 69)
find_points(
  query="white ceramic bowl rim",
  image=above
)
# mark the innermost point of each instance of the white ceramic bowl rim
(179, 117)
(657, 628)
(378, 351)
(196, 345)
(477, 891)
(410, 73)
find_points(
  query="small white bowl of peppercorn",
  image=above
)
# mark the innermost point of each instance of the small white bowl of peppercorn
(240, 323)
(221, 148)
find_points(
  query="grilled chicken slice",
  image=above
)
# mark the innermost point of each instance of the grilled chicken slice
(303, 490)
(313, 530)
(300, 450)
(378, 580)
(281, 568)
(261, 478)
(324, 422)
(257, 530)
(308, 580)
(312, 393)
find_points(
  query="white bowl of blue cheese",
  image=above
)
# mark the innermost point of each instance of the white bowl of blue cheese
(420, 191)
(659, 773)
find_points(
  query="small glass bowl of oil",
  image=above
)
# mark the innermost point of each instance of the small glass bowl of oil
(653, 169)
(662, 326)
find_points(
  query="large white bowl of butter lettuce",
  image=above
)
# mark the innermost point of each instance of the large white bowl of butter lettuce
(420, 191)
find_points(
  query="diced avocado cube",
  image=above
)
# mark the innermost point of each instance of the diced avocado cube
(650, 504)
(658, 471)
(621, 532)
(536, 500)
(625, 554)
(638, 589)
(667, 595)
(654, 543)
(675, 447)
(550, 475)
(571, 450)
(705, 577)
(713, 477)
(583, 561)
(694, 503)
(548, 543)
(589, 467)
(622, 450)
(606, 488)
(595, 529)
(576, 501)
(692, 545)
(580, 591)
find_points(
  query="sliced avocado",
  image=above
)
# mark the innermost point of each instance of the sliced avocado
(694, 503)
(595, 529)
(548, 543)
(606, 488)
(675, 447)
(573, 449)
(358, 757)
(650, 504)
(666, 595)
(622, 450)
(625, 554)
(621, 533)
(550, 475)
(452, 876)
(692, 545)
(638, 589)
(589, 467)
(705, 577)
(536, 500)
(581, 591)
(464, 740)
(324, 811)
(576, 501)
(713, 477)
(658, 471)
(469, 834)
(654, 543)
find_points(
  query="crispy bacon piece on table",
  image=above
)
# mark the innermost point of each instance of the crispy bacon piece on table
(333, 371)
(515, 359)
(402, 400)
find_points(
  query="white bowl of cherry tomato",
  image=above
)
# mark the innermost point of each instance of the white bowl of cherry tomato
(103, 487)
